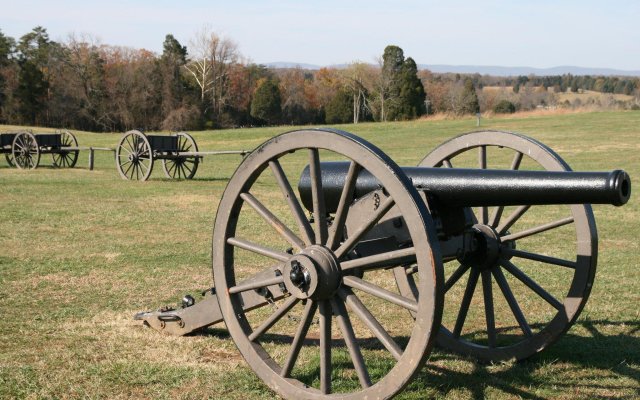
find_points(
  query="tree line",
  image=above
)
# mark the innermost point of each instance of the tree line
(82, 84)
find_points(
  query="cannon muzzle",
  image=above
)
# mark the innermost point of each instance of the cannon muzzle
(457, 187)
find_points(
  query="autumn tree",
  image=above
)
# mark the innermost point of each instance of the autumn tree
(78, 94)
(296, 107)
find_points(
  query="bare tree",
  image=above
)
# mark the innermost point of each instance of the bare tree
(359, 78)
(383, 83)
(210, 58)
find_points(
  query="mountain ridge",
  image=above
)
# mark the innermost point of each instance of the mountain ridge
(494, 70)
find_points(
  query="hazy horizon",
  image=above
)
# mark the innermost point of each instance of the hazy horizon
(544, 34)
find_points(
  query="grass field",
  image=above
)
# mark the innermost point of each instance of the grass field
(82, 251)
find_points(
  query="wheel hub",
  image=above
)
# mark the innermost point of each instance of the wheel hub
(312, 274)
(487, 248)
(133, 158)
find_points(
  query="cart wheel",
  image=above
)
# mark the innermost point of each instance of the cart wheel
(182, 167)
(134, 157)
(25, 151)
(9, 158)
(535, 282)
(261, 230)
(64, 158)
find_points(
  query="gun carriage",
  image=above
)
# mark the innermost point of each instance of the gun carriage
(24, 149)
(494, 260)
(136, 153)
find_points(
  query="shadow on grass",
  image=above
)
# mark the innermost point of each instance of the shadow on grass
(210, 179)
(573, 363)
(585, 361)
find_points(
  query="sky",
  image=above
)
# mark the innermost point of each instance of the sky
(540, 33)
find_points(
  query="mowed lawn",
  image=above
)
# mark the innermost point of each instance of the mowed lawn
(82, 251)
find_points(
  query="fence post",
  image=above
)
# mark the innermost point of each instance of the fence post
(90, 158)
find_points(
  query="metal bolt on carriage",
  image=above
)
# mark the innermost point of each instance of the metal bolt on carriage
(339, 289)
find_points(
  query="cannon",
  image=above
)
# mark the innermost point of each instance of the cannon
(137, 151)
(488, 248)
(23, 149)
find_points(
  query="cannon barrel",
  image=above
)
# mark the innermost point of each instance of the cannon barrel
(457, 187)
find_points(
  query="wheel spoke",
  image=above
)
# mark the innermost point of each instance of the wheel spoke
(511, 300)
(298, 339)
(539, 257)
(343, 206)
(495, 216)
(272, 220)
(258, 249)
(128, 150)
(447, 163)
(350, 340)
(455, 277)
(319, 210)
(517, 159)
(487, 292)
(391, 258)
(170, 168)
(512, 219)
(131, 165)
(129, 143)
(359, 309)
(184, 171)
(466, 302)
(381, 293)
(325, 347)
(531, 284)
(274, 318)
(303, 224)
(364, 228)
(257, 282)
(537, 229)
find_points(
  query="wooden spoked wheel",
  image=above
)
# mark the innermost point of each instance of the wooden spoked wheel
(66, 158)
(540, 261)
(184, 167)
(340, 330)
(9, 157)
(134, 157)
(25, 151)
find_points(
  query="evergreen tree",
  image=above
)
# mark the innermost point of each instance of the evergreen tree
(412, 94)
(173, 58)
(7, 45)
(33, 60)
(340, 109)
(265, 105)
(470, 98)
(405, 94)
(31, 92)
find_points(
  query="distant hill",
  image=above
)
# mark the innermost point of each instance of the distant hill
(514, 71)
(487, 69)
